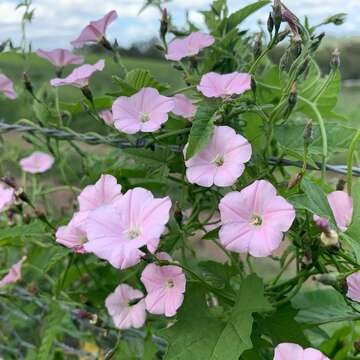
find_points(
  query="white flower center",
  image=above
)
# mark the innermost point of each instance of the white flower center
(133, 233)
(218, 160)
(144, 117)
(169, 284)
(256, 220)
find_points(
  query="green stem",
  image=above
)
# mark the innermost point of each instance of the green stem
(352, 149)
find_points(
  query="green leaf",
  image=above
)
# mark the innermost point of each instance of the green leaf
(52, 326)
(239, 16)
(103, 102)
(198, 335)
(313, 200)
(34, 229)
(216, 273)
(352, 235)
(322, 306)
(135, 80)
(201, 130)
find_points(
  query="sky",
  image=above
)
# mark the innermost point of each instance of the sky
(57, 22)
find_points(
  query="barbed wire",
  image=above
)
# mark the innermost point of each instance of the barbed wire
(118, 142)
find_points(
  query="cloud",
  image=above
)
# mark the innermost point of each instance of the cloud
(60, 21)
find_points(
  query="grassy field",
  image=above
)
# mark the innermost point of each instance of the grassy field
(41, 71)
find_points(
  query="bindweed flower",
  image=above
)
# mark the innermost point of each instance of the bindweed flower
(254, 219)
(14, 274)
(117, 232)
(37, 162)
(353, 286)
(342, 207)
(188, 46)
(107, 116)
(106, 191)
(145, 111)
(79, 76)
(289, 351)
(126, 307)
(165, 286)
(221, 162)
(60, 57)
(7, 197)
(184, 107)
(7, 87)
(217, 85)
(73, 235)
(95, 31)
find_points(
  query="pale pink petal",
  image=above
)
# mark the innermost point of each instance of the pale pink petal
(60, 57)
(236, 237)
(313, 354)
(125, 315)
(342, 207)
(353, 285)
(106, 191)
(95, 31)
(80, 76)
(107, 116)
(217, 85)
(184, 107)
(232, 208)
(14, 274)
(288, 351)
(188, 46)
(222, 161)
(7, 87)
(264, 241)
(37, 162)
(7, 197)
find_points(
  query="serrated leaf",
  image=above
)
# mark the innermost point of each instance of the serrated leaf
(34, 229)
(198, 335)
(201, 130)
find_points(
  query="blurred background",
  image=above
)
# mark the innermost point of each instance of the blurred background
(52, 24)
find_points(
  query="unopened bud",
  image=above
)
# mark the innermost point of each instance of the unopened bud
(27, 84)
(277, 14)
(282, 35)
(303, 67)
(87, 93)
(308, 133)
(340, 185)
(258, 45)
(10, 181)
(253, 85)
(83, 314)
(164, 23)
(330, 239)
(270, 24)
(317, 42)
(292, 20)
(327, 279)
(292, 100)
(106, 44)
(335, 59)
(178, 213)
(295, 179)
(296, 46)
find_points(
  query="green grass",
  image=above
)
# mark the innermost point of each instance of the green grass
(41, 72)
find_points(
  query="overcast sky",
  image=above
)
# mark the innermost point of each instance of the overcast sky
(57, 22)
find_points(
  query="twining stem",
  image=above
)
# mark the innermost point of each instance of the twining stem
(321, 122)
(352, 149)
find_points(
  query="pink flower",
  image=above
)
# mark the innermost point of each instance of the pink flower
(107, 116)
(79, 76)
(217, 85)
(342, 207)
(254, 219)
(188, 46)
(7, 87)
(289, 351)
(184, 107)
(222, 161)
(73, 235)
(60, 57)
(165, 286)
(106, 191)
(95, 31)
(37, 162)
(13, 275)
(145, 111)
(7, 197)
(127, 307)
(117, 232)
(353, 285)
